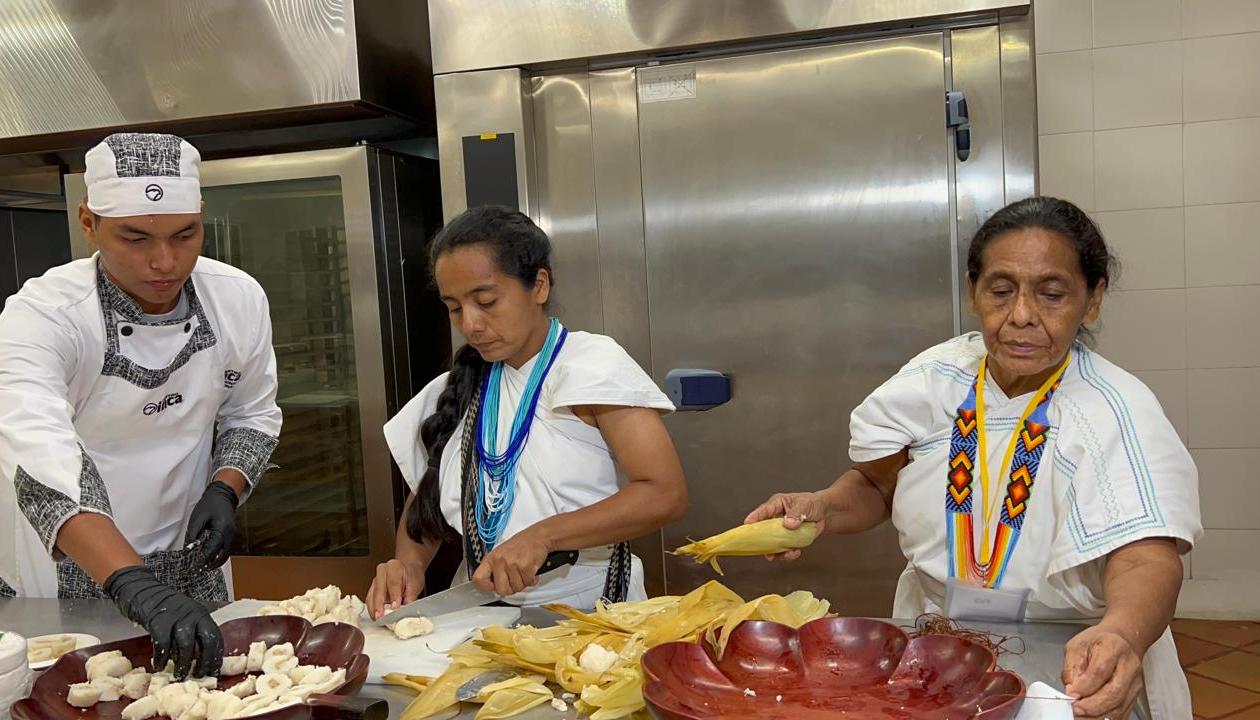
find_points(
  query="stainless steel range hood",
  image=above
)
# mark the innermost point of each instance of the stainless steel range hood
(74, 69)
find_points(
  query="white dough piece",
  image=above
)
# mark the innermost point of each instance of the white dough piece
(273, 684)
(244, 688)
(111, 688)
(411, 627)
(346, 614)
(356, 605)
(597, 659)
(234, 665)
(108, 664)
(312, 674)
(257, 705)
(328, 597)
(174, 699)
(254, 658)
(142, 709)
(206, 683)
(284, 650)
(299, 693)
(157, 681)
(334, 681)
(136, 683)
(319, 605)
(279, 665)
(197, 711)
(83, 695)
(223, 705)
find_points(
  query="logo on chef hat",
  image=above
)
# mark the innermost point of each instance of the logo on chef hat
(154, 192)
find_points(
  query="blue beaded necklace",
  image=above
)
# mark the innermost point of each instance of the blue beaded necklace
(496, 489)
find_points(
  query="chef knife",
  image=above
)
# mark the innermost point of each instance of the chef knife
(468, 595)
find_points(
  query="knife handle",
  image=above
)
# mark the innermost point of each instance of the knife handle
(557, 559)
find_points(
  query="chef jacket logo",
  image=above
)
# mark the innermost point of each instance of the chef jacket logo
(230, 378)
(157, 407)
(154, 192)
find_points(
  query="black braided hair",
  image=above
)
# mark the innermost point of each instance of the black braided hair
(521, 249)
(1097, 263)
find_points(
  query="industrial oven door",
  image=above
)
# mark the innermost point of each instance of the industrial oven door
(796, 209)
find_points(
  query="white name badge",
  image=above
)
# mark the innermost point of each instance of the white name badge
(972, 602)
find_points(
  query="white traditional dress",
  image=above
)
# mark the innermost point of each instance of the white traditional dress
(1113, 472)
(565, 464)
(105, 409)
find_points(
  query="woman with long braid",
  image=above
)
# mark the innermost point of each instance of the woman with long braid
(538, 439)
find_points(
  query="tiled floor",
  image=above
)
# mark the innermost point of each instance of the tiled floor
(1222, 662)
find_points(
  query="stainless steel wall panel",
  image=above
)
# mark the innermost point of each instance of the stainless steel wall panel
(493, 101)
(1019, 106)
(976, 71)
(501, 33)
(564, 189)
(796, 218)
(619, 208)
(623, 261)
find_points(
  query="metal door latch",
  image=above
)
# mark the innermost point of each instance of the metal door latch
(956, 117)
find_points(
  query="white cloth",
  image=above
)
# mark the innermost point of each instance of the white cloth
(101, 412)
(565, 465)
(1113, 472)
(1042, 702)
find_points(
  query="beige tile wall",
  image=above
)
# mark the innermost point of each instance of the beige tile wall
(1149, 117)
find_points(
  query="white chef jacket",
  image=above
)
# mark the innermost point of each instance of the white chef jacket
(104, 409)
(1113, 471)
(565, 465)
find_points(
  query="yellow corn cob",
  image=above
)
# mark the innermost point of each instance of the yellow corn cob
(767, 537)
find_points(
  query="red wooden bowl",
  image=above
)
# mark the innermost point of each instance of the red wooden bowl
(830, 668)
(333, 644)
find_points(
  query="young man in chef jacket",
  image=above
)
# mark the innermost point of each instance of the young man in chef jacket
(137, 406)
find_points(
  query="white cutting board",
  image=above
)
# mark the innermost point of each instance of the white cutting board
(424, 655)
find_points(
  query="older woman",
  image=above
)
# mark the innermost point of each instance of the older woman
(1027, 476)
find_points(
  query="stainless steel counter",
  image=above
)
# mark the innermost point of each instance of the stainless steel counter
(1042, 659)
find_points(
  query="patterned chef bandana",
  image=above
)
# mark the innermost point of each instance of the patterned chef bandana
(143, 174)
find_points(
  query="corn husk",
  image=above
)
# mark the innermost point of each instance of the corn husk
(629, 629)
(418, 683)
(511, 697)
(767, 537)
(794, 611)
(620, 698)
(440, 694)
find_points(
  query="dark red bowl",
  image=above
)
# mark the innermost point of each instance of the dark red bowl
(834, 667)
(333, 644)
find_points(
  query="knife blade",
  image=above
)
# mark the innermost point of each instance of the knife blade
(467, 595)
(471, 689)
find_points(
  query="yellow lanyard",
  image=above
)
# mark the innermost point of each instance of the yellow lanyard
(982, 456)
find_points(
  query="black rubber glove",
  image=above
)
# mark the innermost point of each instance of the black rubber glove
(213, 523)
(181, 628)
